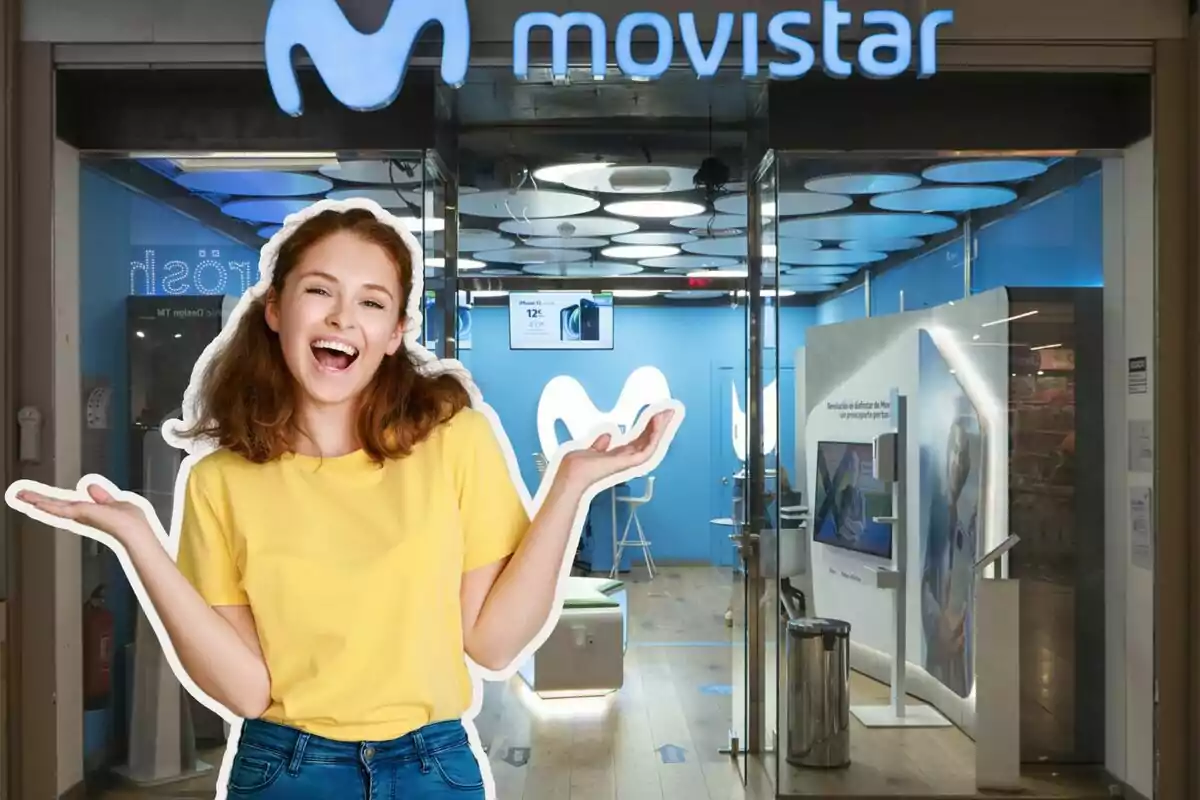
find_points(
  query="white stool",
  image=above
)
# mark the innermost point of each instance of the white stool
(619, 547)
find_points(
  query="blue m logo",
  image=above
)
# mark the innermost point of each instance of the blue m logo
(363, 71)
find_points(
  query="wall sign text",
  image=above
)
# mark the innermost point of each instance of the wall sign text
(365, 71)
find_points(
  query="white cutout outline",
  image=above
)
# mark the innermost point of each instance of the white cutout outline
(427, 363)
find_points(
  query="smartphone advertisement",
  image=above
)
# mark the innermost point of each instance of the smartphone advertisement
(560, 321)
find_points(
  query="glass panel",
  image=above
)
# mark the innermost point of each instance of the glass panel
(966, 305)
(167, 247)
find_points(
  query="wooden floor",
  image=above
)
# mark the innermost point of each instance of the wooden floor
(660, 737)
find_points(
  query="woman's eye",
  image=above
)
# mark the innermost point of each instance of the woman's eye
(374, 304)
(316, 290)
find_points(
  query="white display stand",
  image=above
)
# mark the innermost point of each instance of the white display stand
(997, 675)
(891, 464)
(162, 746)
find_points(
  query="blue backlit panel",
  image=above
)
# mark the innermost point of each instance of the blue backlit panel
(884, 245)
(787, 248)
(711, 222)
(838, 227)
(836, 257)
(863, 183)
(569, 226)
(268, 231)
(945, 199)
(275, 210)
(591, 269)
(387, 197)
(254, 184)
(691, 262)
(728, 246)
(821, 273)
(997, 170)
(532, 255)
(785, 204)
(382, 172)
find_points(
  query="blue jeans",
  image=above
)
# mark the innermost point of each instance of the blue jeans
(435, 762)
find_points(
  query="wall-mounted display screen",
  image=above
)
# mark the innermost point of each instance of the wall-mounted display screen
(849, 498)
(560, 321)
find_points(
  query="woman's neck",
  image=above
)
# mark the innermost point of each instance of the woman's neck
(326, 432)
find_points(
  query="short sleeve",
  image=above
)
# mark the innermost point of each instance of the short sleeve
(491, 508)
(205, 557)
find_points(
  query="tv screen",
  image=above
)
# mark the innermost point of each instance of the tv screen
(560, 321)
(849, 498)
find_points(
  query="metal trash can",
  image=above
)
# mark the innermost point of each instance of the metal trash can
(818, 686)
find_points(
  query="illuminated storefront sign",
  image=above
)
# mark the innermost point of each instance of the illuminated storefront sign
(366, 71)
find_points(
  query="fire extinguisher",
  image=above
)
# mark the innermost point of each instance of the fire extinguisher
(97, 651)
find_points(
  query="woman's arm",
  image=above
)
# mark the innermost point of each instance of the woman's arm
(216, 646)
(506, 603)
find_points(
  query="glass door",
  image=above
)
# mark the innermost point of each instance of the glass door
(439, 232)
(752, 729)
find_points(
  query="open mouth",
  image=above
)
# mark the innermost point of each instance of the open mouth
(334, 356)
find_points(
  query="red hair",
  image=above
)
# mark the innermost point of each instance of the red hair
(248, 394)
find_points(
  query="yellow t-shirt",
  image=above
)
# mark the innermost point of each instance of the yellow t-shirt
(352, 571)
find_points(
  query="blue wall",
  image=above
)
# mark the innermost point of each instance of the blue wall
(689, 345)
(116, 227)
(1057, 241)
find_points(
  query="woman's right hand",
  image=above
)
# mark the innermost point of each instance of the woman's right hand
(102, 512)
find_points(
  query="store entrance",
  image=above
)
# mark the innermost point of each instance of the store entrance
(605, 259)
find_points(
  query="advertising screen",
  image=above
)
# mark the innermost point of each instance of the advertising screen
(560, 321)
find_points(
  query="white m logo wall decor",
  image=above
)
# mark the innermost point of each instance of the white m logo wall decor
(565, 399)
(363, 71)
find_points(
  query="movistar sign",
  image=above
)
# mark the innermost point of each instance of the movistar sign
(366, 71)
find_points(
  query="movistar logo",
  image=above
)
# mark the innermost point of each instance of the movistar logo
(364, 71)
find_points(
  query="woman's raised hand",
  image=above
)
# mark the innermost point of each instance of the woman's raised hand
(597, 462)
(100, 511)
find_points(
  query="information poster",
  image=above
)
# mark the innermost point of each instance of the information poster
(560, 321)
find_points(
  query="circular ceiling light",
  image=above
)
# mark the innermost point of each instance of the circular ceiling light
(867, 226)
(835, 257)
(254, 183)
(786, 247)
(654, 238)
(574, 226)
(727, 246)
(418, 225)
(269, 231)
(768, 293)
(719, 273)
(696, 295)
(785, 204)
(525, 204)
(483, 294)
(884, 245)
(636, 292)
(996, 170)
(863, 183)
(654, 209)
(566, 241)
(463, 263)
(264, 210)
(418, 198)
(822, 273)
(558, 173)
(532, 255)
(387, 198)
(383, 172)
(711, 222)
(945, 198)
(499, 271)
(640, 179)
(471, 242)
(638, 251)
(691, 262)
(595, 269)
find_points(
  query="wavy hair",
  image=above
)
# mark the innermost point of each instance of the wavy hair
(248, 395)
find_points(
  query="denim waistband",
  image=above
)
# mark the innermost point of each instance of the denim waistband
(298, 745)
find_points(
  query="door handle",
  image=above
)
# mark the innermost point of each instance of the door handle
(725, 481)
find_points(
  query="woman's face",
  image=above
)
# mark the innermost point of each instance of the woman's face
(339, 315)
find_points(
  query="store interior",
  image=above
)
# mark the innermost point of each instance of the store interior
(971, 286)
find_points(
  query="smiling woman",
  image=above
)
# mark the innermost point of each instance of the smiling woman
(333, 322)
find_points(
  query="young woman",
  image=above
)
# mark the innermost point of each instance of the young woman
(356, 531)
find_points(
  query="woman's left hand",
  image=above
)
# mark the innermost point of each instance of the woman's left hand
(585, 467)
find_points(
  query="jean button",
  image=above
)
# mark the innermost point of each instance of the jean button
(369, 752)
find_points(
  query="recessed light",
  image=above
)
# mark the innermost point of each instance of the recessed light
(638, 251)
(656, 209)
(463, 263)
(558, 173)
